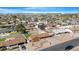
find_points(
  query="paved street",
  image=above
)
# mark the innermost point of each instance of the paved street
(51, 41)
(62, 46)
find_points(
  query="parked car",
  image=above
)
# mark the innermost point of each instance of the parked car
(3, 48)
(69, 47)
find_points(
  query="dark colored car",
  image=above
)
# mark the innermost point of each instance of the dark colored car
(3, 48)
(23, 47)
(69, 47)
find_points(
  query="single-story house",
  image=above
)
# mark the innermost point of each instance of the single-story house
(3, 31)
(14, 41)
(61, 30)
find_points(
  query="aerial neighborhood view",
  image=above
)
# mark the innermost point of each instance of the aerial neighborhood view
(39, 29)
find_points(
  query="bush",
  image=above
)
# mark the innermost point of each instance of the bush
(27, 35)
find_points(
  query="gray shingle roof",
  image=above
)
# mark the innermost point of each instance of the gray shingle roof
(6, 30)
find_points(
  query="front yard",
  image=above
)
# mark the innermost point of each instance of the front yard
(2, 39)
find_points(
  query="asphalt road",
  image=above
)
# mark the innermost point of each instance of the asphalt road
(62, 46)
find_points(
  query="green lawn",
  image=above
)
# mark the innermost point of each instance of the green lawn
(14, 34)
(2, 39)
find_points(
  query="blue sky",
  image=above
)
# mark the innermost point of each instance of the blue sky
(63, 10)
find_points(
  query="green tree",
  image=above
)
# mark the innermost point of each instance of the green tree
(21, 28)
(42, 26)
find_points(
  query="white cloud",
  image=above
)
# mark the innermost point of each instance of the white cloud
(62, 12)
(36, 8)
(26, 10)
(31, 10)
